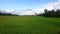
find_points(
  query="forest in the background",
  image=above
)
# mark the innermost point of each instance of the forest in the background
(50, 13)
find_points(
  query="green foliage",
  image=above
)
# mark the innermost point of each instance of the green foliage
(7, 14)
(51, 13)
(29, 25)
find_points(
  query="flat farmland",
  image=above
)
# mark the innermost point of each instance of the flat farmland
(29, 25)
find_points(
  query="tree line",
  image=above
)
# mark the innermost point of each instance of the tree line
(7, 14)
(47, 13)
(50, 13)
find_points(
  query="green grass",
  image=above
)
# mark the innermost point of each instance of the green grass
(29, 25)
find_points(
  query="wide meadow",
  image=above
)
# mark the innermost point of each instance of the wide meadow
(29, 25)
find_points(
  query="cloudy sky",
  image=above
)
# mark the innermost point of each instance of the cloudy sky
(28, 7)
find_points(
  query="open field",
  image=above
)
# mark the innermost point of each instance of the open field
(29, 25)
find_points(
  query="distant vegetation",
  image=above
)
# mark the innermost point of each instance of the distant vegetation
(47, 13)
(50, 13)
(7, 14)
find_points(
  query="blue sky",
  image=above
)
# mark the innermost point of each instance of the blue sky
(21, 7)
(23, 4)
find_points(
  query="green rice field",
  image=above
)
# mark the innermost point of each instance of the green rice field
(29, 25)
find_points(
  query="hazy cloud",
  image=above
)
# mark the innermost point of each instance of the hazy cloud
(49, 6)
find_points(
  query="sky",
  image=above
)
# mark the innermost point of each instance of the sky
(28, 7)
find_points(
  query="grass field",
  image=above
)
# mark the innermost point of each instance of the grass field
(29, 25)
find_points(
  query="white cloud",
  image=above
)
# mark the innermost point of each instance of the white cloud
(59, 0)
(57, 5)
(49, 6)
(11, 11)
(27, 12)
